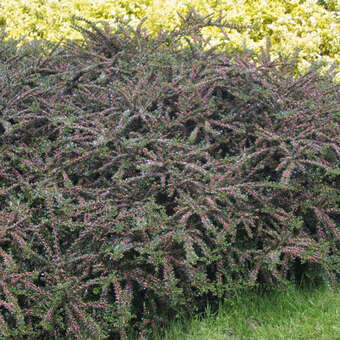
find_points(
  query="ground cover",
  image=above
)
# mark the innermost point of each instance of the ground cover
(139, 179)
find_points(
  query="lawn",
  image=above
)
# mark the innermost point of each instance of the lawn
(297, 314)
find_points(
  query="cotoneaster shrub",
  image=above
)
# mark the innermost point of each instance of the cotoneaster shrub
(140, 179)
(311, 25)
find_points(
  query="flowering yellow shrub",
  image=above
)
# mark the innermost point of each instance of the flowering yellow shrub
(311, 25)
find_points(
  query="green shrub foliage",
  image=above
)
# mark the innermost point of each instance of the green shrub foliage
(139, 179)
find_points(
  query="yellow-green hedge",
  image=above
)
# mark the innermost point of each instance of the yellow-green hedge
(311, 25)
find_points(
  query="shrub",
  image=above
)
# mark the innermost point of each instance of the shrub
(139, 179)
(310, 25)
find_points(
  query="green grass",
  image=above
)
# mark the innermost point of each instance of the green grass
(297, 314)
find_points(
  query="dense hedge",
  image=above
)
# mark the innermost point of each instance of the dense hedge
(139, 179)
(311, 25)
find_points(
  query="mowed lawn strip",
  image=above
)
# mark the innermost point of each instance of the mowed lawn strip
(299, 314)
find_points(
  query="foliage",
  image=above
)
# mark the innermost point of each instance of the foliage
(139, 179)
(310, 25)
